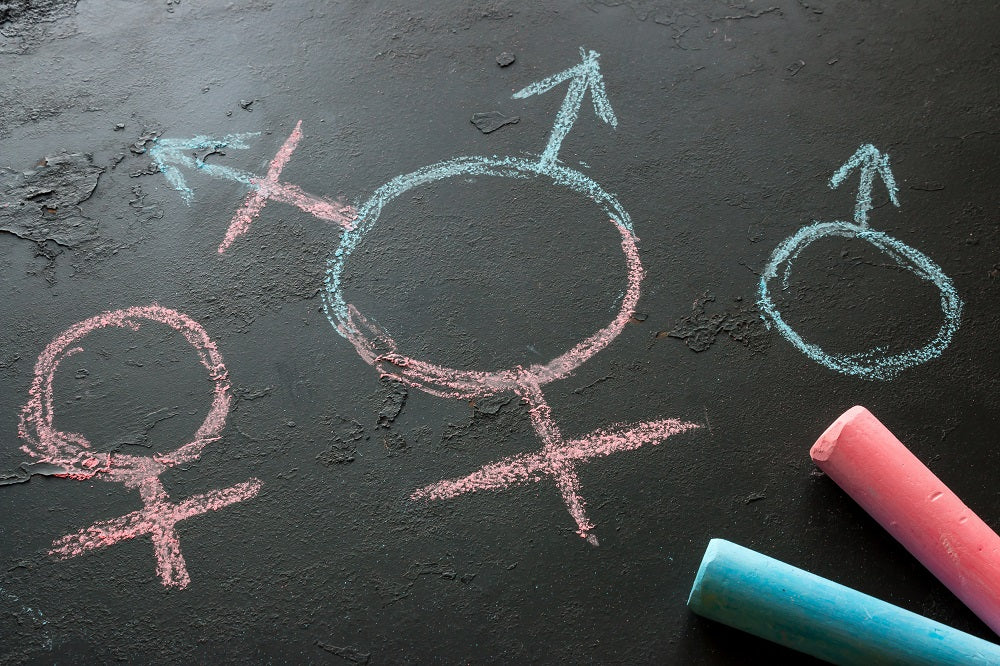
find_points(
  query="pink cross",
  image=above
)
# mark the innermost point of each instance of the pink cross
(269, 187)
(557, 459)
(157, 518)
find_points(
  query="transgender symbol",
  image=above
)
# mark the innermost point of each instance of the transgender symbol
(558, 456)
(876, 363)
(72, 452)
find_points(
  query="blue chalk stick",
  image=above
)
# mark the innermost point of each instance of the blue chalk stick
(776, 601)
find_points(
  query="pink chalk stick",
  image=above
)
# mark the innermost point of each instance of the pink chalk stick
(905, 497)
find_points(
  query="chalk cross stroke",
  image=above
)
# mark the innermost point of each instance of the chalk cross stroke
(559, 455)
(72, 452)
(876, 363)
(171, 155)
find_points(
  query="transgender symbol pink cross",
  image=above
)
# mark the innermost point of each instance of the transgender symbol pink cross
(72, 451)
(558, 457)
(270, 187)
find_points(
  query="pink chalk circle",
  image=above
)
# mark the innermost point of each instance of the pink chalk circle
(377, 347)
(73, 451)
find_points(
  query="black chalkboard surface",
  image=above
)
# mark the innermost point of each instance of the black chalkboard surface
(379, 333)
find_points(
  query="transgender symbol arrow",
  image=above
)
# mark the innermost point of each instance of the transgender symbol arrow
(171, 155)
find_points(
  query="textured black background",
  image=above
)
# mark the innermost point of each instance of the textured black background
(732, 117)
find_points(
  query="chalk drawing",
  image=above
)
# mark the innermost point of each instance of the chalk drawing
(172, 154)
(586, 75)
(559, 456)
(74, 453)
(876, 363)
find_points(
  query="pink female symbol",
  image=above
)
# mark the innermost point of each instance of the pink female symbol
(73, 452)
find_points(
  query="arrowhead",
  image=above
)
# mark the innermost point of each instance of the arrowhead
(172, 154)
(586, 75)
(870, 161)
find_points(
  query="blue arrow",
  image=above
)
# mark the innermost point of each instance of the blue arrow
(171, 154)
(583, 76)
(871, 161)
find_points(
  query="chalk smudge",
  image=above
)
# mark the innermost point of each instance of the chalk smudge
(73, 452)
(26, 616)
(876, 363)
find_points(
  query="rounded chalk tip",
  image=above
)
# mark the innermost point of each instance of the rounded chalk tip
(711, 553)
(827, 442)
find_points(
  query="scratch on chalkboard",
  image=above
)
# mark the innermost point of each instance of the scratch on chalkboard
(592, 384)
(26, 617)
(351, 654)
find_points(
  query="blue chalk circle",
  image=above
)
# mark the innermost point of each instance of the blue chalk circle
(800, 610)
(503, 167)
(877, 363)
(582, 77)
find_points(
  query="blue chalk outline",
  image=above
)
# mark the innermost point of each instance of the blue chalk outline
(171, 154)
(584, 76)
(503, 167)
(876, 363)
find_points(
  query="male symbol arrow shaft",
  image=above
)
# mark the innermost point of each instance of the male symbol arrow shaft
(871, 161)
(171, 154)
(583, 76)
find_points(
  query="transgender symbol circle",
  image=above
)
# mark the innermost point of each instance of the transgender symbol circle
(558, 456)
(74, 454)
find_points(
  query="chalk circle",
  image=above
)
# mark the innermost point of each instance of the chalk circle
(876, 363)
(72, 451)
(371, 342)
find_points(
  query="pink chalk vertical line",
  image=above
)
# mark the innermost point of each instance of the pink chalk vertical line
(170, 564)
(559, 466)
